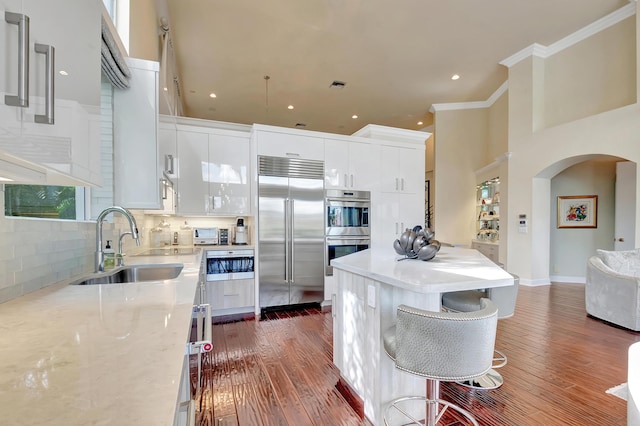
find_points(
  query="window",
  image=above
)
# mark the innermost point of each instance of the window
(41, 201)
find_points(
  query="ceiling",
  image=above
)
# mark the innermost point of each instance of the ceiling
(396, 57)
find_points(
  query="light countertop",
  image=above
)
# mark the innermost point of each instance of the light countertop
(453, 269)
(97, 354)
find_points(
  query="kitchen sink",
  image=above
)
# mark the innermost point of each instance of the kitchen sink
(134, 273)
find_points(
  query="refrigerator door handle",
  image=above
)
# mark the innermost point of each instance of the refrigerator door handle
(293, 252)
(286, 240)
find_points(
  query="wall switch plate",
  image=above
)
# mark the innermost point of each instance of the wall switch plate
(371, 296)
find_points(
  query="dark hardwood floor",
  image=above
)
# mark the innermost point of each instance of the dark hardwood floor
(560, 363)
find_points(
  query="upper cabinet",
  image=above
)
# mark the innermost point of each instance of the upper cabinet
(137, 176)
(50, 86)
(402, 169)
(351, 165)
(213, 172)
(280, 142)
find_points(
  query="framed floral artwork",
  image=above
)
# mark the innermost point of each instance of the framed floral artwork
(578, 211)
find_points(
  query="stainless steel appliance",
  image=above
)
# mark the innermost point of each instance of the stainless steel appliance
(346, 224)
(226, 265)
(347, 212)
(291, 231)
(205, 236)
(342, 246)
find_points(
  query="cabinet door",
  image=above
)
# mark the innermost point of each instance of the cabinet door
(229, 172)
(64, 142)
(135, 138)
(278, 144)
(402, 169)
(396, 212)
(336, 163)
(364, 166)
(193, 173)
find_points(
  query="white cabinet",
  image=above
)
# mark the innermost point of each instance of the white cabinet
(491, 250)
(137, 177)
(280, 143)
(213, 172)
(51, 131)
(167, 153)
(233, 294)
(394, 212)
(402, 169)
(351, 165)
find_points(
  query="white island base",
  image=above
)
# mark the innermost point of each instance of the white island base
(370, 286)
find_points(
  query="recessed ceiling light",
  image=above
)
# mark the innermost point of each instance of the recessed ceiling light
(354, 116)
(63, 72)
(212, 95)
(420, 123)
(166, 90)
(290, 107)
(455, 77)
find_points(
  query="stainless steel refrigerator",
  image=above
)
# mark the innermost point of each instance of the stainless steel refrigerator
(290, 231)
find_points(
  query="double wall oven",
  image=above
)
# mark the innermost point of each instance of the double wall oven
(346, 224)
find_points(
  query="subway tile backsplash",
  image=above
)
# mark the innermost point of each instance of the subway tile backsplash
(37, 253)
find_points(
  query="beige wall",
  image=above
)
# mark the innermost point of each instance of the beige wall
(596, 75)
(144, 42)
(460, 150)
(559, 111)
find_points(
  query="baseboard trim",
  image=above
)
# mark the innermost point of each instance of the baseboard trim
(351, 397)
(567, 279)
(534, 283)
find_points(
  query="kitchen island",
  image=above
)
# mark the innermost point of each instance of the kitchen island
(370, 286)
(108, 354)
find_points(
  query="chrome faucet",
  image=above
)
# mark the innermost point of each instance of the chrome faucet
(120, 254)
(132, 223)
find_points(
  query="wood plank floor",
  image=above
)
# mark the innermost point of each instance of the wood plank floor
(560, 363)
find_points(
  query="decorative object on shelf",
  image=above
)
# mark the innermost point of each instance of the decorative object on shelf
(417, 243)
(578, 211)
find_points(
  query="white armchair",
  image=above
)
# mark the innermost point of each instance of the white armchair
(612, 289)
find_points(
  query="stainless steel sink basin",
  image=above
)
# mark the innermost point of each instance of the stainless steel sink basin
(134, 273)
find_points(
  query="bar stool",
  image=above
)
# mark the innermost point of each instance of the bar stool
(439, 346)
(469, 300)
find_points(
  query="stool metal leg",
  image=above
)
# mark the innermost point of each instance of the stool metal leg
(434, 408)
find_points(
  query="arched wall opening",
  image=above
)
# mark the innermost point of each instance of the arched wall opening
(564, 251)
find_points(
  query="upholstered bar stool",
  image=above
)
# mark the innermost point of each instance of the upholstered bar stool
(439, 346)
(469, 300)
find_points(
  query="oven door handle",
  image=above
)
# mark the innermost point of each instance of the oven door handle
(348, 241)
(350, 202)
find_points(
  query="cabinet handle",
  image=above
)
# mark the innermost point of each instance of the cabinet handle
(333, 305)
(22, 21)
(397, 228)
(168, 164)
(163, 188)
(345, 180)
(49, 85)
(396, 184)
(292, 154)
(402, 184)
(352, 180)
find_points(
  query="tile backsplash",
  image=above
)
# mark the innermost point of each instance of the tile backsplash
(36, 253)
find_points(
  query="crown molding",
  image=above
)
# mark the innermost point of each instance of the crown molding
(576, 37)
(472, 105)
(502, 158)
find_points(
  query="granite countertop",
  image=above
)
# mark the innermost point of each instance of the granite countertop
(453, 269)
(97, 354)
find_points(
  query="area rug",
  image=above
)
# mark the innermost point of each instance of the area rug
(620, 391)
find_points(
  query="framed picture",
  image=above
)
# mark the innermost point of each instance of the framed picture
(578, 211)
